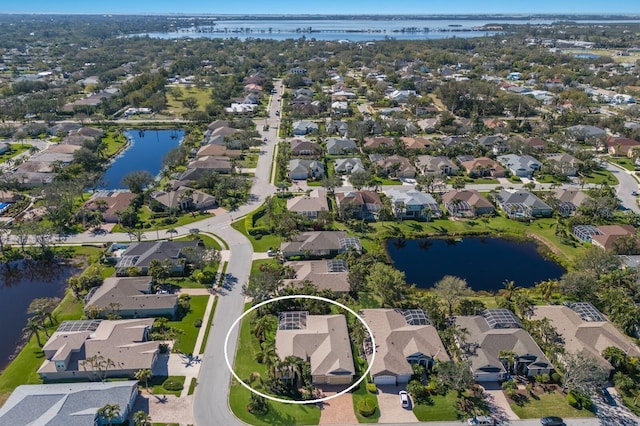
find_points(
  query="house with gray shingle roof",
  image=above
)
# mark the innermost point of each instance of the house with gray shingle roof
(305, 169)
(319, 244)
(493, 332)
(140, 255)
(522, 204)
(348, 165)
(68, 404)
(324, 274)
(585, 133)
(413, 204)
(304, 127)
(309, 205)
(430, 165)
(520, 165)
(337, 146)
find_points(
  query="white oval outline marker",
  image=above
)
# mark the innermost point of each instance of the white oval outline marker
(289, 401)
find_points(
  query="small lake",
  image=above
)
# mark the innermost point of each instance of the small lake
(485, 262)
(145, 152)
(19, 285)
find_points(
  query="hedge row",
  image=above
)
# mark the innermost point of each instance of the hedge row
(250, 221)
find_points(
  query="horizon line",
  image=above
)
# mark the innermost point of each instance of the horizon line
(414, 16)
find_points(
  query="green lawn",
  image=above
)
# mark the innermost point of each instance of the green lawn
(255, 265)
(360, 394)
(444, 408)
(624, 162)
(548, 404)
(114, 143)
(209, 326)
(203, 96)
(15, 150)
(245, 364)
(386, 181)
(481, 181)
(156, 385)
(250, 161)
(187, 341)
(601, 177)
(145, 218)
(260, 245)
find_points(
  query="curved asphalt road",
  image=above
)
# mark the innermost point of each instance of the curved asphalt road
(628, 184)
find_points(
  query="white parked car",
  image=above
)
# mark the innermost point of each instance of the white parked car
(404, 399)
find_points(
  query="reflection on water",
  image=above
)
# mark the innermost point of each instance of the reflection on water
(21, 282)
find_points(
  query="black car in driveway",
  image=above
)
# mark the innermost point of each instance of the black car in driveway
(552, 421)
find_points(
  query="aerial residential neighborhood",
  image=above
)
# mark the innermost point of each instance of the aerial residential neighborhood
(209, 219)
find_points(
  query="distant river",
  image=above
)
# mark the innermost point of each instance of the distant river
(347, 29)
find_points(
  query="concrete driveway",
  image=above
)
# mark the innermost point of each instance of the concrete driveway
(390, 409)
(337, 411)
(498, 403)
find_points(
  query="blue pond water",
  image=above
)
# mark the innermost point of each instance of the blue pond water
(485, 262)
(145, 152)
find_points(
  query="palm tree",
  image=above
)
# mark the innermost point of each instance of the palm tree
(509, 359)
(144, 374)
(109, 412)
(34, 327)
(546, 289)
(261, 328)
(171, 232)
(140, 418)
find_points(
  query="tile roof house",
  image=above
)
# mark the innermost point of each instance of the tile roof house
(413, 204)
(378, 142)
(402, 339)
(522, 204)
(483, 166)
(416, 143)
(68, 404)
(330, 274)
(185, 198)
(304, 147)
(319, 244)
(466, 203)
(130, 297)
(397, 166)
(309, 205)
(493, 332)
(348, 165)
(537, 144)
(585, 330)
(305, 169)
(430, 165)
(520, 165)
(304, 127)
(337, 146)
(366, 204)
(617, 145)
(323, 340)
(609, 234)
(69, 351)
(110, 203)
(140, 255)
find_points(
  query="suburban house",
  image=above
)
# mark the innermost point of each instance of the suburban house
(484, 166)
(564, 163)
(493, 333)
(332, 274)
(621, 146)
(586, 133)
(520, 165)
(110, 203)
(130, 297)
(603, 236)
(397, 166)
(366, 204)
(304, 127)
(309, 205)
(68, 404)
(341, 146)
(467, 203)
(570, 200)
(413, 204)
(430, 165)
(403, 338)
(401, 96)
(79, 349)
(319, 244)
(348, 165)
(378, 142)
(140, 255)
(322, 340)
(416, 143)
(185, 198)
(585, 330)
(304, 147)
(535, 143)
(522, 204)
(217, 151)
(213, 164)
(305, 169)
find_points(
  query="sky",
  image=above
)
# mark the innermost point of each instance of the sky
(251, 7)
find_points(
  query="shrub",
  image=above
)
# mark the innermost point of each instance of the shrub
(164, 348)
(257, 237)
(555, 377)
(573, 400)
(198, 323)
(372, 388)
(172, 385)
(367, 407)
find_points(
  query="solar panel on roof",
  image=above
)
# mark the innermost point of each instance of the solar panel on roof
(80, 325)
(337, 265)
(294, 320)
(501, 318)
(416, 317)
(586, 311)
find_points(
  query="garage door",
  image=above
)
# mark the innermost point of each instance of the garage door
(488, 377)
(384, 380)
(339, 380)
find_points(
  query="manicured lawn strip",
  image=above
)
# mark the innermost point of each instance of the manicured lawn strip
(255, 265)
(114, 143)
(261, 245)
(482, 181)
(245, 364)
(600, 177)
(548, 404)
(208, 329)
(360, 394)
(145, 218)
(250, 161)
(187, 341)
(386, 181)
(444, 408)
(192, 386)
(15, 150)
(22, 369)
(155, 384)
